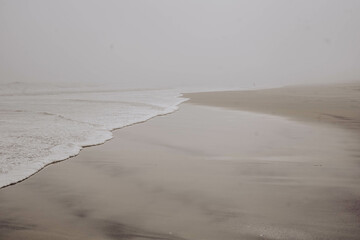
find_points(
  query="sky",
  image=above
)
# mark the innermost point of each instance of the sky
(180, 43)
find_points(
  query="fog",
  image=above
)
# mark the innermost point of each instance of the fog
(163, 43)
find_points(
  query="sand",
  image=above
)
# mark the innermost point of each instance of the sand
(336, 103)
(206, 172)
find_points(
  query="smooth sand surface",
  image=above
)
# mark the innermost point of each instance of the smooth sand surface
(336, 103)
(203, 172)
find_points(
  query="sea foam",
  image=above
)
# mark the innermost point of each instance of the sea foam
(38, 128)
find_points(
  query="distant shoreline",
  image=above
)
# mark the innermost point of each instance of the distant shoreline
(337, 104)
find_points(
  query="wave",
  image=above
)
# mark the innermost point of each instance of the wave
(37, 130)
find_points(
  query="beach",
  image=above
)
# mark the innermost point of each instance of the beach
(263, 164)
(327, 103)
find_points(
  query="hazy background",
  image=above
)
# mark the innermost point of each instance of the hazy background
(165, 43)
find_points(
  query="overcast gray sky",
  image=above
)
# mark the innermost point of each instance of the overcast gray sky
(161, 43)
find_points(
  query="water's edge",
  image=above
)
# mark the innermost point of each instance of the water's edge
(169, 110)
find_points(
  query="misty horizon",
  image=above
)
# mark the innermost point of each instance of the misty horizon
(179, 43)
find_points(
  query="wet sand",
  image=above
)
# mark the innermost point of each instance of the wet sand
(206, 173)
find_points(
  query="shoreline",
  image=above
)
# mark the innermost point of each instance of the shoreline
(242, 100)
(93, 145)
(201, 172)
